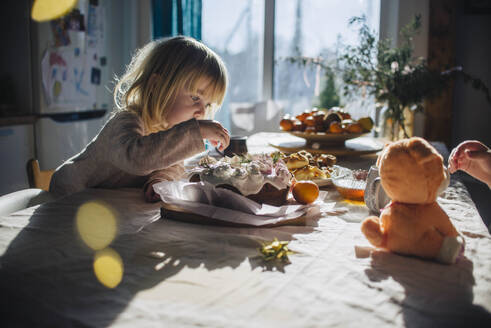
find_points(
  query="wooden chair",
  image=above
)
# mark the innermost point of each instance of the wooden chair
(37, 178)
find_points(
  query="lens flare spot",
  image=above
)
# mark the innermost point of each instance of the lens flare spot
(44, 10)
(96, 224)
(108, 267)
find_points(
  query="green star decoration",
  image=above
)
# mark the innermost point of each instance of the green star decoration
(275, 250)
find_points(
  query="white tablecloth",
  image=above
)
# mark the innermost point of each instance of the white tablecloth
(212, 276)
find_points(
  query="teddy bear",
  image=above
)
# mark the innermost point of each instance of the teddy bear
(412, 174)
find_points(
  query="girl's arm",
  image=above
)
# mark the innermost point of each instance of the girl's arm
(174, 172)
(131, 151)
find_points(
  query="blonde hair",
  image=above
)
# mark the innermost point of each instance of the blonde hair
(160, 70)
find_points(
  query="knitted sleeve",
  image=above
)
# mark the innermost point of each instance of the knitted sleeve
(126, 146)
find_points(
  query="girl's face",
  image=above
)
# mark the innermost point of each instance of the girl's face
(188, 105)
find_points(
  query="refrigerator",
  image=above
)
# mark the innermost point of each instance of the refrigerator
(76, 59)
(61, 79)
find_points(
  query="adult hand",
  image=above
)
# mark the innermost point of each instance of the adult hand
(214, 132)
(472, 157)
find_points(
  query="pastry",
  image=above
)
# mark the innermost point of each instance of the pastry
(296, 161)
(306, 166)
(309, 172)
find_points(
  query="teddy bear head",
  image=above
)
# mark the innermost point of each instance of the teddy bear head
(411, 171)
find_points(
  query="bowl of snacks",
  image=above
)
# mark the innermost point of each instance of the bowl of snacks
(330, 127)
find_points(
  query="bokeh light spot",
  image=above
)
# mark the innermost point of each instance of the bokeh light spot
(44, 10)
(96, 224)
(108, 267)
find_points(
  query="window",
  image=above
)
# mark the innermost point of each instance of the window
(312, 28)
(235, 30)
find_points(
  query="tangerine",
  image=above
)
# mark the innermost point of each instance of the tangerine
(305, 192)
(286, 124)
(336, 127)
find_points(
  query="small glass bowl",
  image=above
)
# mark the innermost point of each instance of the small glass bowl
(348, 186)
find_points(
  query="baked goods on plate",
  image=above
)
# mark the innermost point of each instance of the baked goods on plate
(260, 177)
(314, 167)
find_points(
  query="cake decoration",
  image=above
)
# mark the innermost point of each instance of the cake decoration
(247, 173)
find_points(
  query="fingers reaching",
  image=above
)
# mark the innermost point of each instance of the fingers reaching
(215, 133)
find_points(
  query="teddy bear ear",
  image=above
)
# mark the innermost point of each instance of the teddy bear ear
(379, 158)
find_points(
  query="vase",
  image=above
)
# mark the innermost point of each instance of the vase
(394, 130)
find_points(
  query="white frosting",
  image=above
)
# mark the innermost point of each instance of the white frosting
(246, 173)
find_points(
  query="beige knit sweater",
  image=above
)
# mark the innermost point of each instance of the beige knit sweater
(122, 156)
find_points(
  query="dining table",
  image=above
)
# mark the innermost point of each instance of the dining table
(107, 258)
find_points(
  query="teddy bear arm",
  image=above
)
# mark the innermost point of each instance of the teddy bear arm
(371, 228)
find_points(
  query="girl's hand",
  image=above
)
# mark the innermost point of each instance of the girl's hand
(150, 195)
(472, 157)
(215, 133)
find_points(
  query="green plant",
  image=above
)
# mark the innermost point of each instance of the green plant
(329, 97)
(391, 74)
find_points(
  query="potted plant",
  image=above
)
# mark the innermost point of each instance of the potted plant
(396, 79)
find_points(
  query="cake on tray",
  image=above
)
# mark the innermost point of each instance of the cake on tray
(262, 178)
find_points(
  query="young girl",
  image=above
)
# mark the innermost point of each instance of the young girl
(170, 87)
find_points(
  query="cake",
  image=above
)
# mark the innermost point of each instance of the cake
(261, 178)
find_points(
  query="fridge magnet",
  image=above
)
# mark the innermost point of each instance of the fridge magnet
(56, 59)
(95, 77)
(57, 89)
(103, 61)
(76, 21)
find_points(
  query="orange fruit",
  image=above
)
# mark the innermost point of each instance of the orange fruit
(305, 192)
(309, 121)
(286, 124)
(335, 127)
(354, 128)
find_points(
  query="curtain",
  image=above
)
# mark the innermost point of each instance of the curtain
(176, 17)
